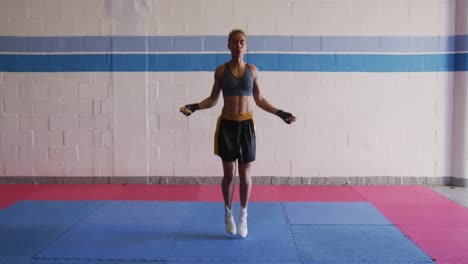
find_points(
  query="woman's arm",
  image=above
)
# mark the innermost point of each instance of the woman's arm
(263, 103)
(208, 102)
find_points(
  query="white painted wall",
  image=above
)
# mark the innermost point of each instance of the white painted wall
(460, 112)
(214, 17)
(350, 124)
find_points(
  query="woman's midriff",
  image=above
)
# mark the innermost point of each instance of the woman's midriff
(235, 105)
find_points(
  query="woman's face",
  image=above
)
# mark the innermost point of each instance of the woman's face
(238, 45)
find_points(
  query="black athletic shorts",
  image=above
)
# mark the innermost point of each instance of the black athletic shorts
(235, 138)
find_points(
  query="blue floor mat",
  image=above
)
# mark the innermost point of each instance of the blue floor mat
(185, 232)
(375, 244)
(143, 262)
(202, 236)
(28, 226)
(133, 232)
(123, 231)
(270, 246)
(334, 213)
(79, 261)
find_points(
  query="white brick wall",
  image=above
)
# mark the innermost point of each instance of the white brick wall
(34, 123)
(9, 153)
(459, 151)
(45, 107)
(180, 17)
(461, 17)
(53, 124)
(34, 154)
(83, 107)
(49, 138)
(9, 123)
(343, 130)
(63, 122)
(9, 90)
(96, 91)
(23, 138)
(79, 138)
(350, 124)
(63, 154)
(19, 168)
(18, 107)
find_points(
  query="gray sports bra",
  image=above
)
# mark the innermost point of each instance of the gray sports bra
(237, 86)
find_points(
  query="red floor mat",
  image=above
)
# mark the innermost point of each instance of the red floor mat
(285, 193)
(10, 193)
(291, 193)
(436, 224)
(76, 192)
(158, 193)
(415, 206)
(213, 193)
(400, 194)
(427, 214)
(18, 190)
(444, 244)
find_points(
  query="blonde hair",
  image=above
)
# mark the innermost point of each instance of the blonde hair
(235, 31)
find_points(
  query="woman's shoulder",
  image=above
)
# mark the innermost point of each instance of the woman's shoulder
(252, 67)
(219, 72)
(221, 68)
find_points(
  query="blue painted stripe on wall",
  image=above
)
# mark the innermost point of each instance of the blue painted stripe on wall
(208, 62)
(218, 44)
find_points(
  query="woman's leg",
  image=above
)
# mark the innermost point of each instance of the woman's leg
(227, 184)
(245, 186)
(245, 183)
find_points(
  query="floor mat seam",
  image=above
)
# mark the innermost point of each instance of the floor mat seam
(285, 213)
(78, 220)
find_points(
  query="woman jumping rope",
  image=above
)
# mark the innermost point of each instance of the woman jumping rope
(235, 130)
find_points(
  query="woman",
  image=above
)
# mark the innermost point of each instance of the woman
(235, 131)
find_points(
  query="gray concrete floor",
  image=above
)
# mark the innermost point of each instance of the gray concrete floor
(457, 194)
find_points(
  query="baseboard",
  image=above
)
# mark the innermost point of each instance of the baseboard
(459, 182)
(323, 181)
